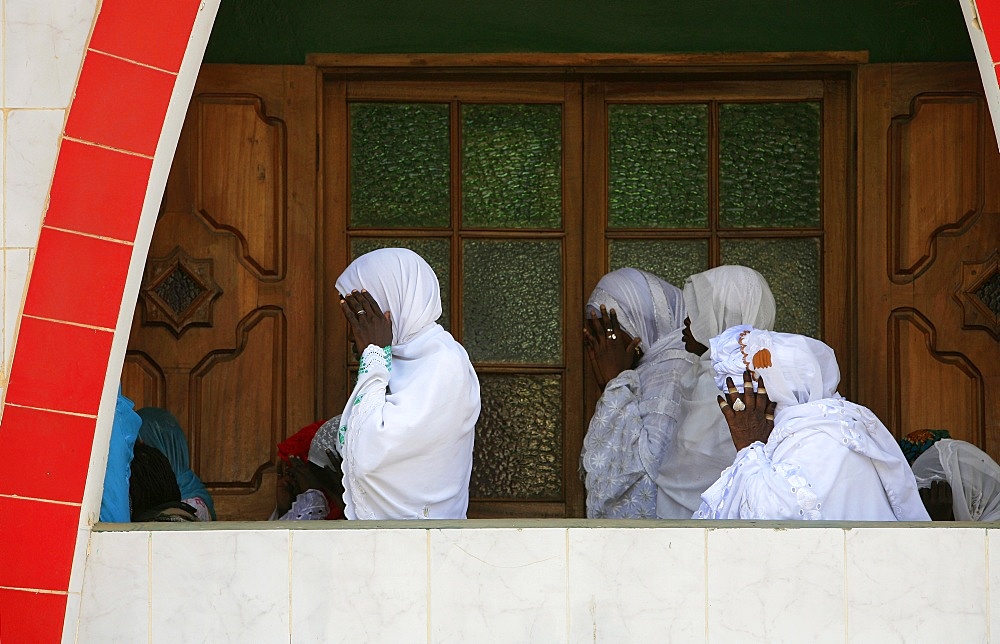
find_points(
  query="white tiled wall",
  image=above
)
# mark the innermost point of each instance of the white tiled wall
(564, 583)
(41, 45)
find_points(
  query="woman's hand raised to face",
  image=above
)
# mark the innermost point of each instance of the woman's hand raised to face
(750, 415)
(368, 323)
(610, 349)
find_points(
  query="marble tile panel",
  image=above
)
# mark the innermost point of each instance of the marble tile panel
(993, 578)
(220, 586)
(16, 263)
(115, 599)
(636, 585)
(29, 160)
(916, 585)
(774, 585)
(44, 42)
(359, 585)
(498, 585)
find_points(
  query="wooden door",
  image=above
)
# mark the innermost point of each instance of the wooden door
(928, 345)
(224, 333)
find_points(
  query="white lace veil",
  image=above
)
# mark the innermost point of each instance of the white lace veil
(974, 478)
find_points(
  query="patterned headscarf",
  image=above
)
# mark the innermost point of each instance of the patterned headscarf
(918, 442)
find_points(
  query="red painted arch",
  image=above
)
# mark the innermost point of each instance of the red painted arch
(57, 377)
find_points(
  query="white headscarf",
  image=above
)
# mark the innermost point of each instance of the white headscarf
(409, 424)
(636, 416)
(974, 478)
(715, 300)
(826, 458)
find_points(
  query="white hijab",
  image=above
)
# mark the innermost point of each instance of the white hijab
(637, 415)
(974, 478)
(715, 300)
(411, 457)
(826, 458)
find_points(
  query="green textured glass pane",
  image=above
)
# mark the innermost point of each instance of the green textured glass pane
(437, 253)
(769, 165)
(670, 259)
(792, 269)
(400, 165)
(518, 452)
(512, 301)
(658, 166)
(512, 166)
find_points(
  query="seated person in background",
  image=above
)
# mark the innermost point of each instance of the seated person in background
(309, 483)
(161, 430)
(153, 491)
(632, 332)
(408, 427)
(916, 443)
(115, 506)
(714, 300)
(958, 481)
(803, 451)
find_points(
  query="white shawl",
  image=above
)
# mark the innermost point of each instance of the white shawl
(715, 300)
(636, 417)
(827, 458)
(974, 478)
(408, 428)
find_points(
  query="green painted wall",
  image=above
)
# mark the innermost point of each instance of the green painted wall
(284, 31)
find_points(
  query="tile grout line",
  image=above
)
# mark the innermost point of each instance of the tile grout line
(149, 586)
(79, 233)
(54, 411)
(79, 325)
(429, 585)
(705, 579)
(846, 589)
(40, 591)
(567, 591)
(132, 61)
(18, 497)
(101, 146)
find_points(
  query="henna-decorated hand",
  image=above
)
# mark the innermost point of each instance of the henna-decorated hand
(368, 324)
(750, 415)
(610, 349)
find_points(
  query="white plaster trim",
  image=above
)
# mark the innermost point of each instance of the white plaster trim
(162, 160)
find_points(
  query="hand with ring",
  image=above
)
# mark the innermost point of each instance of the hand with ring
(750, 415)
(366, 322)
(611, 350)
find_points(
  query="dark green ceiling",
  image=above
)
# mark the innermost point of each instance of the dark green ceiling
(285, 31)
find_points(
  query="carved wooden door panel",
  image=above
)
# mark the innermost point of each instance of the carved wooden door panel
(225, 328)
(928, 346)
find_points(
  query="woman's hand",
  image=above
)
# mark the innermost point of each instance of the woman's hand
(750, 415)
(368, 324)
(610, 349)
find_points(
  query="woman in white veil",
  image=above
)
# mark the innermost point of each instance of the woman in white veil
(974, 478)
(804, 451)
(406, 434)
(714, 300)
(633, 339)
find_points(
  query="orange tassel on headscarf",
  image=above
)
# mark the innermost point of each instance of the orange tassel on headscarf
(762, 359)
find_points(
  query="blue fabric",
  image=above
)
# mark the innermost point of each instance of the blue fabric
(115, 505)
(161, 430)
